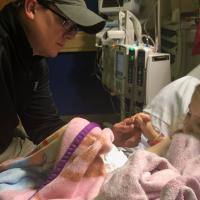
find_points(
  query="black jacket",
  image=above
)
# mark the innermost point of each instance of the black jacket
(24, 85)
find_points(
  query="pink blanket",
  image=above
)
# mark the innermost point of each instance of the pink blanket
(65, 166)
(148, 176)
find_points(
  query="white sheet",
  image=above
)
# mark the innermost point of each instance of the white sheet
(171, 104)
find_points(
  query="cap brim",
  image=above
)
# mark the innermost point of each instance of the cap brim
(87, 20)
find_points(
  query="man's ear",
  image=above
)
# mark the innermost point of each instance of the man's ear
(29, 8)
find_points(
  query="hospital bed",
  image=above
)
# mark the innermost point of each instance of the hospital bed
(21, 179)
(147, 175)
(170, 105)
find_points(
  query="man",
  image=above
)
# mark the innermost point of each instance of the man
(29, 31)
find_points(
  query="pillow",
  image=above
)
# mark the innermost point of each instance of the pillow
(195, 72)
(169, 106)
(171, 103)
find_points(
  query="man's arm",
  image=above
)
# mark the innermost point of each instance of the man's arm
(40, 117)
(8, 116)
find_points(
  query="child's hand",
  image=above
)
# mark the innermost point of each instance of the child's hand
(143, 120)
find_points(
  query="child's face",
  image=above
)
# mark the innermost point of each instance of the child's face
(192, 119)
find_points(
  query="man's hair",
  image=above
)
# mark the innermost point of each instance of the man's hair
(19, 3)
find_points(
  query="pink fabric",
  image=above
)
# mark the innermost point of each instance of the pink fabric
(183, 149)
(182, 188)
(81, 177)
(148, 176)
(142, 177)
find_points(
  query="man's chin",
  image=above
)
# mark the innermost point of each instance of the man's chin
(46, 54)
(53, 54)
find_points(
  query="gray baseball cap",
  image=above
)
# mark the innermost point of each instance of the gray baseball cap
(77, 11)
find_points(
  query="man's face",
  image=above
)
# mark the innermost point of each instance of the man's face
(48, 30)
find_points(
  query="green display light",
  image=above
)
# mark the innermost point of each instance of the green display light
(131, 49)
(132, 58)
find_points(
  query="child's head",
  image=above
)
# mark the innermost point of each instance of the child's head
(192, 119)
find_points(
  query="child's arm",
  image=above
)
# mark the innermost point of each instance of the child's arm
(143, 120)
(162, 147)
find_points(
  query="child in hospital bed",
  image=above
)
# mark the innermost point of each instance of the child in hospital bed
(175, 175)
(191, 124)
(142, 122)
(166, 111)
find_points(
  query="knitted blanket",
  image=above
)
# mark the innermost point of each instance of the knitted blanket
(147, 176)
(64, 166)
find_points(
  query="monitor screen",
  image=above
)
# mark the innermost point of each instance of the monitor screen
(120, 65)
(112, 3)
(112, 7)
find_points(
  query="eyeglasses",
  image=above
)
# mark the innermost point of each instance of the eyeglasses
(67, 23)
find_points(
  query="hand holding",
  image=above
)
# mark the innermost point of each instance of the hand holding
(126, 133)
(143, 120)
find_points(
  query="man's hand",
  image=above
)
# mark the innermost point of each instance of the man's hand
(127, 133)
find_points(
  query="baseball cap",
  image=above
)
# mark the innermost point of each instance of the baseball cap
(77, 11)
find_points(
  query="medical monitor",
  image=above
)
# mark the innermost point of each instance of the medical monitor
(112, 7)
(120, 59)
